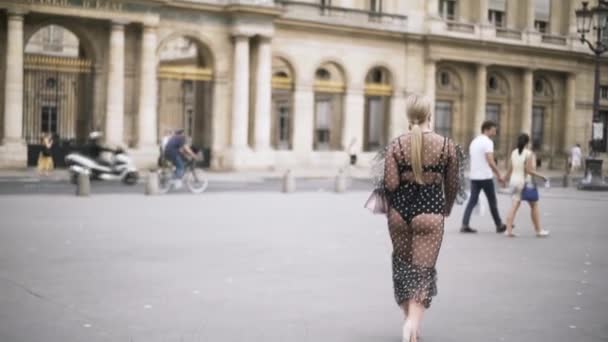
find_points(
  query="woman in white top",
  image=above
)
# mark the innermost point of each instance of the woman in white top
(522, 169)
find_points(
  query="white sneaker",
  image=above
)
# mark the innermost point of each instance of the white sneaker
(543, 233)
(178, 184)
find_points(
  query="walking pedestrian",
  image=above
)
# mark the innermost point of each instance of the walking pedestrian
(483, 168)
(45, 157)
(576, 158)
(421, 184)
(522, 169)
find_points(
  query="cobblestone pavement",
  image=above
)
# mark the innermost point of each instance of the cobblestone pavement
(301, 267)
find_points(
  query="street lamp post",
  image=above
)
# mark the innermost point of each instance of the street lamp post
(587, 20)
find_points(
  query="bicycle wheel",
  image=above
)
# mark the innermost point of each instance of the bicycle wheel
(165, 176)
(196, 180)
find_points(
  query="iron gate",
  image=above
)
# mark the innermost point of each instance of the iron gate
(57, 100)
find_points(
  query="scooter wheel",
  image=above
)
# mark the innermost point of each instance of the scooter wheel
(131, 178)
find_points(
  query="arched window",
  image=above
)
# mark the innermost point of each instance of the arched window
(282, 104)
(57, 85)
(329, 90)
(378, 92)
(185, 75)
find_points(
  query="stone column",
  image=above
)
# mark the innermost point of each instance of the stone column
(146, 124)
(527, 101)
(570, 113)
(303, 106)
(556, 15)
(13, 151)
(530, 15)
(434, 23)
(354, 118)
(481, 76)
(398, 122)
(240, 93)
(572, 6)
(483, 12)
(430, 71)
(13, 89)
(432, 8)
(512, 17)
(263, 95)
(115, 101)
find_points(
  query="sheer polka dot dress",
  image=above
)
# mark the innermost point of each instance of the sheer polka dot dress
(416, 213)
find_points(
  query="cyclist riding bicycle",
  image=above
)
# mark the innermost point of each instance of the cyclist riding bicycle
(175, 151)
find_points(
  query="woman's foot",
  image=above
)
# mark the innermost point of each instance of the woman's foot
(408, 332)
(510, 234)
(542, 233)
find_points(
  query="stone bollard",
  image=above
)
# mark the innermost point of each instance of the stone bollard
(340, 182)
(289, 182)
(83, 186)
(152, 183)
(566, 180)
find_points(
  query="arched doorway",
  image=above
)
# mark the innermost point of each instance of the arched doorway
(329, 92)
(497, 110)
(543, 119)
(58, 91)
(185, 87)
(378, 92)
(449, 120)
(282, 104)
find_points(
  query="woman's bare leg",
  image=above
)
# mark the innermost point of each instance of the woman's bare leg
(511, 217)
(416, 311)
(535, 216)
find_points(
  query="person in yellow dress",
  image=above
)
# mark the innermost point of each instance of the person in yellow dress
(45, 158)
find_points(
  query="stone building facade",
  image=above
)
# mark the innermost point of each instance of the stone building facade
(262, 83)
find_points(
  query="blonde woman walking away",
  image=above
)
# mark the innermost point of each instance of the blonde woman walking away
(521, 172)
(45, 158)
(421, 184)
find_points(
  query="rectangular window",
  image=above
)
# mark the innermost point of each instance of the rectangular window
(325, 3)
(375, 123)
(447, 9)
(542, 11)
(604, 92)
(284, 126)
(48, 119)
(323, 125)
(443, 118)
(375, 6)
(538, 127)
(493, 114)
(496, 18)
(541, 26)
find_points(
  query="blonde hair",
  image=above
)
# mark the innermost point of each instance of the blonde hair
(418, 113)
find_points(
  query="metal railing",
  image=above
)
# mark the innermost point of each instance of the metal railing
(351, 16)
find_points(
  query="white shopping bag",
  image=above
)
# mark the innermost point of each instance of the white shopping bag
(482, 205)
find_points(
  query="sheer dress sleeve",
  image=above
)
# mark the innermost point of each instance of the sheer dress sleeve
(451, 181)
(391, 170)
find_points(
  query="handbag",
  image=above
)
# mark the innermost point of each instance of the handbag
(529, 193)
(377, 203)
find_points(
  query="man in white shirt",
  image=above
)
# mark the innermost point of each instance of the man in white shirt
(483, 169)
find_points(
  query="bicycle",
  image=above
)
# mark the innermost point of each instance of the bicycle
(194, 177)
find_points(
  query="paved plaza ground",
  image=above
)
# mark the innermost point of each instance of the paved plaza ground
(309, 266)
